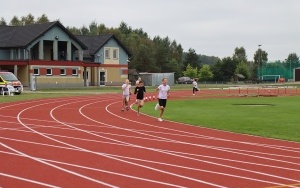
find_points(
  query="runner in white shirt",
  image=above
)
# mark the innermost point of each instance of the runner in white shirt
(126, 91)
(195, 86)
(163, 95)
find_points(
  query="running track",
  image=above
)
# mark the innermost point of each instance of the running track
(87, 141)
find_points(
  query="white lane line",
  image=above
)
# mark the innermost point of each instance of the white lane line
(279, 147)
(207, 146)
(98, 170)
(152, 149)
(54, 166)
(147, 161)
(98, 153)
(57, 167)
(135, 164)
(27, 180)
(176, 152)
(256, 172)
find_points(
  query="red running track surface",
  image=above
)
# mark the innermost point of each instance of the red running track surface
(87, 141)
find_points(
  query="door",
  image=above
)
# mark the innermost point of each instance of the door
(86, 74)
(102, 78)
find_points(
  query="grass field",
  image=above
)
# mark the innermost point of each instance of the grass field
(274, 117)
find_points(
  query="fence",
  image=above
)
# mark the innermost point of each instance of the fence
(272, 70)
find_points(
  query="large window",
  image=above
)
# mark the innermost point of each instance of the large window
(107, 53)
(116, 54)
(49, 72)
(36, 71)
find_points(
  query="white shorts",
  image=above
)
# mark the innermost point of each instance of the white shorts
(126, 97)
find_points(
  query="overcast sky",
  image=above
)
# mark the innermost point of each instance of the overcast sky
(210, 27)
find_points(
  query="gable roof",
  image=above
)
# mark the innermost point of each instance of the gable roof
(22, 36)
(96, 42)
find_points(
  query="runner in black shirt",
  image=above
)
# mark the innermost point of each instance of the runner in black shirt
(140, 90)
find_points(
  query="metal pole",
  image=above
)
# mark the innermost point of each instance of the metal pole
(260, 60)
(290, 70)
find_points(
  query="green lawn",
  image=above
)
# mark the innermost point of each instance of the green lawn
(274, 117)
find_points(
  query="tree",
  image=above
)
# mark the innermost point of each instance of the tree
(191, 58)
(243, 69)
(240, 55)
(293, 58)
(124, 28)
(42, 19)
(190, 71)
(2, 21)
(260, 58)
(27, 20)
(144, 60)
(74, 30)
(205, 73)
(93, 28)
(218, 71)
(15, 21)
(84, 30)
(228, 68)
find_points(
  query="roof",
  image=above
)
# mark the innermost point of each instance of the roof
(96, 42)
(22, 36)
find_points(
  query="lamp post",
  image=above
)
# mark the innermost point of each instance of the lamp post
(290, 70)
(260, 60)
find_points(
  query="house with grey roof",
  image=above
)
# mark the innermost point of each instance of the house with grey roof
(107, 50)
(54, 57)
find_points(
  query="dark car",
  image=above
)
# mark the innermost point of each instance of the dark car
(185, 80)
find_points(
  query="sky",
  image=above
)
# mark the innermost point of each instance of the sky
(210, 27)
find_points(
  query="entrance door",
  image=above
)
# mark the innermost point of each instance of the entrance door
(87, 77)
(102, 78)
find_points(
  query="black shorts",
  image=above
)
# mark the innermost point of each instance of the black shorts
(195, 89)
(162, 102)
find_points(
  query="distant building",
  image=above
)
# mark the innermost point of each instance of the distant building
(154, 79)
(55, 57)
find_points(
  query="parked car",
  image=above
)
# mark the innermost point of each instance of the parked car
(10, 80)
(185, 80)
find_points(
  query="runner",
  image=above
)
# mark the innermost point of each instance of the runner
(126, 90)
(140, 91)
(163, 94)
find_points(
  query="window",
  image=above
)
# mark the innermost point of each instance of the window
(36, 71)
(49, 72)
(107, 55)
(62, 71)
(74, 72)
(116, 54)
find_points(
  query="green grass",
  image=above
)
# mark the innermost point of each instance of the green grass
(274, 117)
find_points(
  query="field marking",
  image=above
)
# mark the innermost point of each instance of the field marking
(27, 180)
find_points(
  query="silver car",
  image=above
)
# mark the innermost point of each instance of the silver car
(185, 80)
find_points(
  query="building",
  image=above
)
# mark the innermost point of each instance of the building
(155, 79)
(112, 56)
(51, 56)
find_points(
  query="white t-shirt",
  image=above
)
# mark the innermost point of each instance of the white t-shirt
(126, 89)
(163, 91)
(195, 84)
